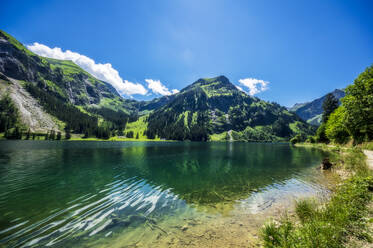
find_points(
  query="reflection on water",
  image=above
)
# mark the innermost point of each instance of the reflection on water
(76, 193)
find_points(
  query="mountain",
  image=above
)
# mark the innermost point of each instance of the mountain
(62, 78)
(213, 106)
(312, 111)
(61, 88)
(57, 95)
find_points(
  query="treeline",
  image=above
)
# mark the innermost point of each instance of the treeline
(169, 126)
(353, 119)
(18, 133)
(118, 118)
(9, 116)
(75, 120)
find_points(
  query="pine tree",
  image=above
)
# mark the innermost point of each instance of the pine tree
(67, 134)
(329, 105)
(52, 135)
(28, 134)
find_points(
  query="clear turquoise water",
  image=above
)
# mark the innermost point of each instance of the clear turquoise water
(67, 194)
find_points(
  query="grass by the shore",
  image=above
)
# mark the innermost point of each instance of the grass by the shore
(367, 146)
(336, 222)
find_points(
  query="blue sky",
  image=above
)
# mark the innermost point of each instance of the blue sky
(303, 49)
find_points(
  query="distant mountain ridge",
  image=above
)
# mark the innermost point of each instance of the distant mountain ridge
(312, 111)
(210, 108)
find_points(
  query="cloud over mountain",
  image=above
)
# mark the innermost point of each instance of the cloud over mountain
(158, 88)
(104, 72)
(254, 85)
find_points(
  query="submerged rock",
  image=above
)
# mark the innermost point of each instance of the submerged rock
(326, 164)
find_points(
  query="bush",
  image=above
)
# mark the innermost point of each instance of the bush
(311, 139)
(335, 128)
(296, 139)
(358, 103)
(130, 134)
(321, 135)
(330, 224)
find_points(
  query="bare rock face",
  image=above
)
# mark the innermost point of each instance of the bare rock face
(31, 113)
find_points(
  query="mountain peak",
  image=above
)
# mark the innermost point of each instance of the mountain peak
(311, 111)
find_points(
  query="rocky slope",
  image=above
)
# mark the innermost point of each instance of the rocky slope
(32, 114)
(63, 79)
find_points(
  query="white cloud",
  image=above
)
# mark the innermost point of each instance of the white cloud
(239, 88)
(158, 88)
(254, 85)
(174, 91)
(104, 72)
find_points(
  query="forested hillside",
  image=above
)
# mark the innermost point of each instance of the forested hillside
(209, 109)
(214, 106)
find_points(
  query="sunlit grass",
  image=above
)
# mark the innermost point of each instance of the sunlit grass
(329, 224)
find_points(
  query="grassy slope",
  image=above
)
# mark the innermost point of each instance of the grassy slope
(138, 127)
(341, 221)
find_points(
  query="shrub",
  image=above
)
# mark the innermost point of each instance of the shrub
(321, 135)
(335, 128)
(330, 224)
(358, 103)
(311, 139)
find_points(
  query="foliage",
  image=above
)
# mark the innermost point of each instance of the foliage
(367, 145)
(329, 105)
(214, 106)
(9, 115)
(130, 134)
(330, 224)
(118, 118)
(358, 103)
(77, 121)
(335, 129)
(311, 139)
(296, 139)
(67, 133)
(321, 135)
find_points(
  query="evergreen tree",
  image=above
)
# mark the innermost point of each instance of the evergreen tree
(86, 134)
(329, 105)
(9, 115)
(67, 134)
(28, 134)
(15, 134)
(52, 135)
(130, 134)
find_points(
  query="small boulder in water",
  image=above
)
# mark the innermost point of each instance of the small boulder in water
(326, 164)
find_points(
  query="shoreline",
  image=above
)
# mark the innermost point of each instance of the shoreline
(347, 213)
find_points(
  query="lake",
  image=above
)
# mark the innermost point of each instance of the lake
(148, 194)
